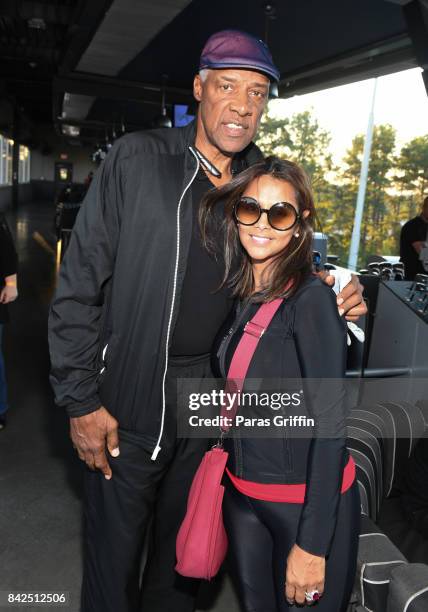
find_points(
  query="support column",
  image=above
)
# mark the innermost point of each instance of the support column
(15, 159)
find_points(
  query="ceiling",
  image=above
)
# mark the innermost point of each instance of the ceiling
(96, 65)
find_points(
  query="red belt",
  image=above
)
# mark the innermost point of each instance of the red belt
(289, 493)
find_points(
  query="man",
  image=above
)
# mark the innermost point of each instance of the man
(136, 310)
(8, 293)
(413, 241)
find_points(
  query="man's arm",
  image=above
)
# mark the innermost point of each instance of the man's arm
(418, 245)
(77, 311)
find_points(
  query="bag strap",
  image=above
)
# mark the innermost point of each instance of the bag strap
(245, 350)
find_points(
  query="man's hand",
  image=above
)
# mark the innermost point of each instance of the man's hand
(305, 572)
(350, 300)
(91, 434)
(418, 245)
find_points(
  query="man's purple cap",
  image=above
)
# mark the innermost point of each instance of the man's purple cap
(236, 49)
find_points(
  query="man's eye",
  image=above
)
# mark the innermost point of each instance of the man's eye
(259, 94)
(226, 87)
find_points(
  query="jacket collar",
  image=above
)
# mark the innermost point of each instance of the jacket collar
(249, 156)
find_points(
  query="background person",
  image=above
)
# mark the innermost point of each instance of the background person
(283, 549)
(413, 238)
(8, 293)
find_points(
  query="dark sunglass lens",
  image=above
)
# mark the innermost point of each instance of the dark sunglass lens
(282, 216)
(247, 211)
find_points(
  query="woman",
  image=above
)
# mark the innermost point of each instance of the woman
(8, 293)
(285, 550)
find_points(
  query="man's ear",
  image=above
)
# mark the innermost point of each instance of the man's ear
(197, 88)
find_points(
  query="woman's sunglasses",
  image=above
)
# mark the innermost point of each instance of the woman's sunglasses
(281, 216)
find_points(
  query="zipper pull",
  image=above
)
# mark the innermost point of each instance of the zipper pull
(155, 453)
(223, 341)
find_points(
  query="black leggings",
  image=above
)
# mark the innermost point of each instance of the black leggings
(261, 535)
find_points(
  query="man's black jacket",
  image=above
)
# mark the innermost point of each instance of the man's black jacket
(118, 293)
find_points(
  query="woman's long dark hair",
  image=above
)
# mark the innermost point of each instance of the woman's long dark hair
(293, 263)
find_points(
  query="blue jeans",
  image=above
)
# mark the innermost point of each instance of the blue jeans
(3, 388)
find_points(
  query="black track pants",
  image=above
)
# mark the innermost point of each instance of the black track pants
(261, 535)
(118, 512)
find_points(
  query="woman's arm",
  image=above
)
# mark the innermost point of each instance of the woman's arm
(8, 257)
(320, 336)
(8, 264)
(9, 293)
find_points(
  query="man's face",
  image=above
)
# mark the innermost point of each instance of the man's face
(231, 106)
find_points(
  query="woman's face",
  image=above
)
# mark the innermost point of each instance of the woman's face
(261, 241)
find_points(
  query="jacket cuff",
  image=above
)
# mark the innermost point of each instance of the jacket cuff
(9, 273)
(77, 410)
(314, 546)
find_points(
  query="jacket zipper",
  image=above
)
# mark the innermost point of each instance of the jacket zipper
(221, 353)
(174, 291)
(103, 359)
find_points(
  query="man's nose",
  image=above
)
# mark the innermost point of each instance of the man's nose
(241, 104)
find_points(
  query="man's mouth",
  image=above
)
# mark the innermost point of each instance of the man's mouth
(234, 128)
(232, 124)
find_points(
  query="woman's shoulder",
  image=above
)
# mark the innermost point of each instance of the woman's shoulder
(311, 288)
(315, 302)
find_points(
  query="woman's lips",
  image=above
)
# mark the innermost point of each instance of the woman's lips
(260, 239)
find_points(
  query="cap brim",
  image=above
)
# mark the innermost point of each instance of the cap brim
(273, 76)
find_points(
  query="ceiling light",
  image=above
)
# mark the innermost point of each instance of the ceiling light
(36, 23)
(162, 120)
(71, 130)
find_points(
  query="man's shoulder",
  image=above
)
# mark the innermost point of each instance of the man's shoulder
(415, 221)
(414, 224)
(161, 141)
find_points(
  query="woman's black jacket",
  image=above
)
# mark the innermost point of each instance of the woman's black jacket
(8, 261)
(304, 348)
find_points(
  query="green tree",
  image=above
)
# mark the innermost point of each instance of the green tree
(273, 137)
(378, 231)
(395, 188)
(412, 175)
(300, 139)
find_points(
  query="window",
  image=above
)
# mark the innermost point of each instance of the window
(24, 164)
(6, 155)
(9, 155)
(3, 160)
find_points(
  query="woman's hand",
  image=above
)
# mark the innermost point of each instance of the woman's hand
(9, 293)
(305, 572)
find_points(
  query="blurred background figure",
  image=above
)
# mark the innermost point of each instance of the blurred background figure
(413, 239)
(88, 179)
(8, 293)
